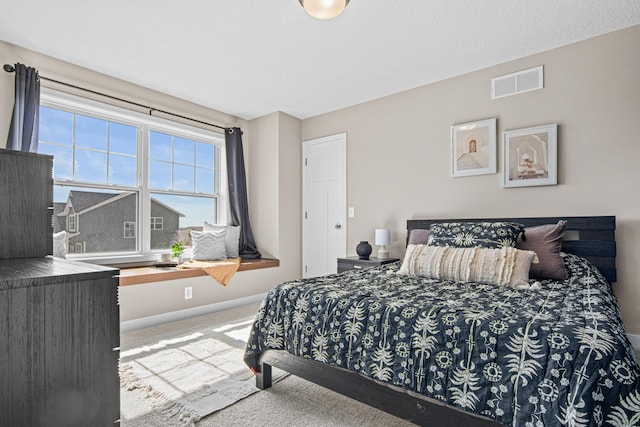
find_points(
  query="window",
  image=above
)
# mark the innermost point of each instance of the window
(156, 222)
(71, 222)
(129, 230)
(137, 183)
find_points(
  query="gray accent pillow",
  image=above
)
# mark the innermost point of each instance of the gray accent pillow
(475, 234)
(419, 236)
(546, 242)
(209, 245)
(232, 239)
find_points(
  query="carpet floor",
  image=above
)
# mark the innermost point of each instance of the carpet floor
(290, 402)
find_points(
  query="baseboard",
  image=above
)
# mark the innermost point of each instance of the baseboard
(172, 316)
(635, 341)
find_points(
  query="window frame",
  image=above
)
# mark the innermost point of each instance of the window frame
(72, 222)
(155, 222)
(144, 124)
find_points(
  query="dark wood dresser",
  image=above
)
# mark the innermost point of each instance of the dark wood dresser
(59, 339)
(59, 319)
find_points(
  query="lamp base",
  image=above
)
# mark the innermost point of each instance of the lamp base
(383, 253)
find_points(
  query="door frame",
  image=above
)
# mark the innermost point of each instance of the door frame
(340, 138)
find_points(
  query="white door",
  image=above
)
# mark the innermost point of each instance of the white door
(324, 204)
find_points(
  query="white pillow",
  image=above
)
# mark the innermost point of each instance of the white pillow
(232, 239)
(504, 266)
(209, 245)
(60, 244)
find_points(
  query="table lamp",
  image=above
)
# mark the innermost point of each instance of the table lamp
(383, 237)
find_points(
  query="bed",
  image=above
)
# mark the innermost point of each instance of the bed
(453, 352)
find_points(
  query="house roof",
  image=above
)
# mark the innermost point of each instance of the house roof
(83, 201)
(252, 58)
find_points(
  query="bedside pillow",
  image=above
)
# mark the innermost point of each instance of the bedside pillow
(475, 234)
(504, 266)
(545, 241)
(232, 239)
(209, 245)
(419, 236)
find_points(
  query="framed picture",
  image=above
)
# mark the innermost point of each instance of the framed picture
(473, 148)
(531, 156)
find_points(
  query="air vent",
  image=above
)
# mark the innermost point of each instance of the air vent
(519, 82)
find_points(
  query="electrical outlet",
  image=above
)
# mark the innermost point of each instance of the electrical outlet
(188, 292)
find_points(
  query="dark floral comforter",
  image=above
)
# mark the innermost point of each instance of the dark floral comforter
(557, 355)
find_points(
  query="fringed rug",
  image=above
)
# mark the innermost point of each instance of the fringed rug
(189, 375)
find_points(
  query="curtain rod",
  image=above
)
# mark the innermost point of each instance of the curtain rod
(10, 69)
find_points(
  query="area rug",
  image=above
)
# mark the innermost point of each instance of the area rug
(188, 374)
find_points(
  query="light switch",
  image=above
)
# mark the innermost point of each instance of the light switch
(352, 212)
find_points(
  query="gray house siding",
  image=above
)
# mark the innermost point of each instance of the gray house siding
(162, 239)
(102, 229)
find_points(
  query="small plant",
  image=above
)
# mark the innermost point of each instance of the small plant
(176, 249)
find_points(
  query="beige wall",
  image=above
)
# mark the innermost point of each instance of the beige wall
(272, 154)
(399, 150)
(399, 160)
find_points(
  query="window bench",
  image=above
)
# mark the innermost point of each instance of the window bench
(140, 275)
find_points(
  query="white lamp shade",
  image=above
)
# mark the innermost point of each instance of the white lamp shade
(324, 9)
(383, 236)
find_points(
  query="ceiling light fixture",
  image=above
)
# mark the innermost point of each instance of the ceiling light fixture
(324, 9)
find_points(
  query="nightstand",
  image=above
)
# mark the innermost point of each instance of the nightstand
(355, 263)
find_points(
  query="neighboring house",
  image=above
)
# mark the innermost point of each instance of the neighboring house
(106, 222)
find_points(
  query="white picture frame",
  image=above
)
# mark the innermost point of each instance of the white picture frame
(473, 148)
(531, 156)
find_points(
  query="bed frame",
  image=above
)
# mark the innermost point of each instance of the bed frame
(591, 237)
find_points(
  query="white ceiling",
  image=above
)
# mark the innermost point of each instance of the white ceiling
(249, 58)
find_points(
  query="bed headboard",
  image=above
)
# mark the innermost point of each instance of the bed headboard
(591, 237)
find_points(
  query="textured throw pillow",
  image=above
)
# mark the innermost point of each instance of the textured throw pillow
(232, 239)
(505, 266)
(60, 244)
(546, 242)
(209, 245)
(475, 234)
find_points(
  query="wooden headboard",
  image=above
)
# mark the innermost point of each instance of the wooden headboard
(591, 237)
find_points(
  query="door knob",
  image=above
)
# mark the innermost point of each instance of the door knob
(338, 226)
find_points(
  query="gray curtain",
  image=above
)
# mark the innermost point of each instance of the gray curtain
(238, 193)
(23, 131)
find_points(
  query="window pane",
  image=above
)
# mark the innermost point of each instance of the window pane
(160, 146)
(205, 155)
(123, 139)
(62, 160)
(181, 214)
(122, 170)
(91, 132)
(56, 126)
(160, 175)
(183, 178)
(183, 150)
(93, 152)
(90, 166)
(205, 181)
(100, 217)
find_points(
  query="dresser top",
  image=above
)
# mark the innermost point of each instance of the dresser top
(20, 272)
